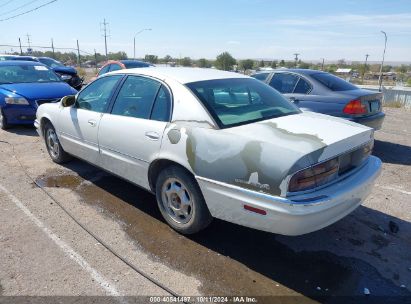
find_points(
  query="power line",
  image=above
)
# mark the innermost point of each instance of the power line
(29, 11)
(17, 8)
(8, 2)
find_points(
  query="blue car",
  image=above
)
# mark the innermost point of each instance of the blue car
(321, 92)
(25, 85)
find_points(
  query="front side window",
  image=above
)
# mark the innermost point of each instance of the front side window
(284, 83)
(96, 96)
(234, 102)
(136, 97)
(332, 82)
(27, 74)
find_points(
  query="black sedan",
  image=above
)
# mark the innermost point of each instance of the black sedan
(321, 92)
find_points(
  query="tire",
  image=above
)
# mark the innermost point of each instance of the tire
(3, 121)
(175, 186)
(56, 151)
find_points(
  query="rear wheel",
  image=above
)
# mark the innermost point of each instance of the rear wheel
(56, 151)
(181, 202)
(3, 121)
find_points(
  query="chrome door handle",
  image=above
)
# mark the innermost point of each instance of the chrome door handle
(92, 122)
(153, 135)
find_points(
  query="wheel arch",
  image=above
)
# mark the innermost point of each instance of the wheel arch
(160, 164)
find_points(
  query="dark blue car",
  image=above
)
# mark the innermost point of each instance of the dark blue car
(25, 85)
(322, 92)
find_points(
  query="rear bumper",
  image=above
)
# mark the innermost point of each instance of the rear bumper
(374, 121)
(19, 114)
(295, 215)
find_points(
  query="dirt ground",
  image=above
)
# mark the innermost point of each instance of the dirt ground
(45, 253)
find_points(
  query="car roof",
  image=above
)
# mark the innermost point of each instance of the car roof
(182, 75)
(20, 62)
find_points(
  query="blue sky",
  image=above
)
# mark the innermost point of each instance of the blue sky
(204, 28)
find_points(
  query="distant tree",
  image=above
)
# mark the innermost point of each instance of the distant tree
(303, 65)
(167, 59)
(151, 58)
(225, 61)
(262, 64)
(203, 63)
(282, 63)
(402, 69)
(186, 62)
(342, 63)
(247, 64)
(289, 64)
(274, 64)
(117, 56)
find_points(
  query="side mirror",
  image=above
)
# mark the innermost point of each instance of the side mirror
(68, 101)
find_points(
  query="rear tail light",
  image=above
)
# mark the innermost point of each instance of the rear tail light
(355, 107)
(315, 176)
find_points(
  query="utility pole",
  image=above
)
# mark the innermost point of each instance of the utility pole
(105, 35)
(28, 40)
(78, 53)
(383, 58)
(365, 68)
(29, 50)
(21, 49)
(322, 65)
(95, 59)
(52, 47)
(296, 59)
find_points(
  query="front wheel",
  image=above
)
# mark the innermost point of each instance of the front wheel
(56, 151)
(181, 202)
(3, 121)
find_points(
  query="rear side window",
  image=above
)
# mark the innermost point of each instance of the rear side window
(332, 82)
(261, 76)
(136, 97)
(303, 87)
(284, 83)
(162, 106)
(104, 70)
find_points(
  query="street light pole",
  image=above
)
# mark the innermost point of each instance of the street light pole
(383, 59)
(134, 54)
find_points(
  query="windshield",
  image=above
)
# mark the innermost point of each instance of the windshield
(135, 64)
(26, 74)
(51, 62)
(234, 102)
(332, 82)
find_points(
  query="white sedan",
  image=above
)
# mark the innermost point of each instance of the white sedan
(213, 144)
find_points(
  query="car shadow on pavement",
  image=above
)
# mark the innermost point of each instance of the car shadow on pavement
(326, 266)
(23, 130)
(393, 153)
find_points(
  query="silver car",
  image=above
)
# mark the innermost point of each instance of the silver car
(216, 144)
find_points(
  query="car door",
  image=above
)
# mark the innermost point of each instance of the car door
(78, 125)
(294, 87)
(130, 136)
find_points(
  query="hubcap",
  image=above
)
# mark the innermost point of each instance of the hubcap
(52, 143)
(1, 119)
(177, 201)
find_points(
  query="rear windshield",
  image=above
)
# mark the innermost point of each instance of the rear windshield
(234, 102)
(135, 64)
(332, 82)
